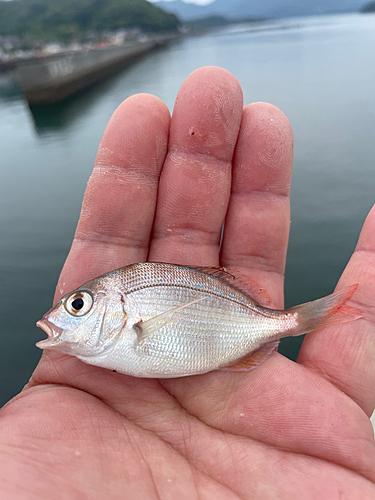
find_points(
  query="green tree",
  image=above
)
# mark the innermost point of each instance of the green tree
(49, 19)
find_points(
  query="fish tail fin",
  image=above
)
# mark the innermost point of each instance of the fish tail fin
(325, 312)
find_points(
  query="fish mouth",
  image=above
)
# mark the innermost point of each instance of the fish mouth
(52, 331)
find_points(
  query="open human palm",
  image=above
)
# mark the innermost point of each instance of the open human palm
(160, 191)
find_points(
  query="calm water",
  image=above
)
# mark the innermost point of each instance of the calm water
(319, 71)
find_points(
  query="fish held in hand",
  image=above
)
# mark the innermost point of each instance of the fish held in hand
(165, 320)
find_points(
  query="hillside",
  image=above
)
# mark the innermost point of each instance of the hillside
(51, 19)
(235, 9)
(369, 7)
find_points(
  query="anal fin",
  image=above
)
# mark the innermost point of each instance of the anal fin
(254, 359)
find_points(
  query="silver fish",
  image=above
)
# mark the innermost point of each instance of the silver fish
(165, 320)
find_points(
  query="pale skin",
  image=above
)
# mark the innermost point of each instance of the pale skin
(160, 191)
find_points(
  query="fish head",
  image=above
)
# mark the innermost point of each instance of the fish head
(85, 322)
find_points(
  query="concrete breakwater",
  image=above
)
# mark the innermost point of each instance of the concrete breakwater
(49, 80)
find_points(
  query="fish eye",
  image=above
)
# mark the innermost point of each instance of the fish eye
(79, 303)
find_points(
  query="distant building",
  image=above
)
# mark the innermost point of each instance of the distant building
(52, 48)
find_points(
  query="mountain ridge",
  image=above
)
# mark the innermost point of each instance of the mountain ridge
(234, 9)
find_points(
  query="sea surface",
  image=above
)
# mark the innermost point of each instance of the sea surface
(319, 71)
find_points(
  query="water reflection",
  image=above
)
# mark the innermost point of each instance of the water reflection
(61, 116)
(10, 90)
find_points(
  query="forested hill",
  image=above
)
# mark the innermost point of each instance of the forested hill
(370, 7)
(69, 18)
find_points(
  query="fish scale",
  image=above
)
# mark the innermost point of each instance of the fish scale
(164, 320)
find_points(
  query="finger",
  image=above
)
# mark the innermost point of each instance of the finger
(257, 224)
(195, 182)
(345, 354)
(119, 204)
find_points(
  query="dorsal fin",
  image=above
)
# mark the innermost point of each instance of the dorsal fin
(217, 272)
(253, 289)
(245, 284)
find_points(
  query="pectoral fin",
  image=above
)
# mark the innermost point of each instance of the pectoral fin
(146, 328)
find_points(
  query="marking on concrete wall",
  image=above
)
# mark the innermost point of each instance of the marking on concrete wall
(61, 67)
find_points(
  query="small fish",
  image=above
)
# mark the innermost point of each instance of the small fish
(165, 320)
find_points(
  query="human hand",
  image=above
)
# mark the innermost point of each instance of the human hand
(160, 191)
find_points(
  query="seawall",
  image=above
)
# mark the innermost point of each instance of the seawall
(50, 80)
